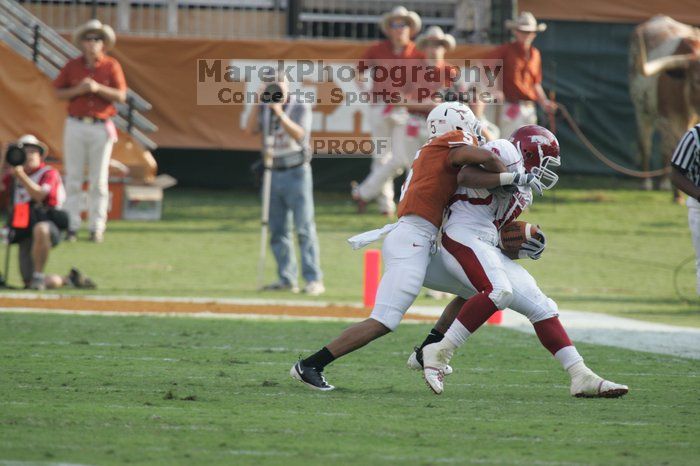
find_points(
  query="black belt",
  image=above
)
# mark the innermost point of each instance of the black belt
(88, 120)
(281, 169)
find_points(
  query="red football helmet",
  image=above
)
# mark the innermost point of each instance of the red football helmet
(540, 150)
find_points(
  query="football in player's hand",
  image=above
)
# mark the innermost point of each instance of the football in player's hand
(514, 234)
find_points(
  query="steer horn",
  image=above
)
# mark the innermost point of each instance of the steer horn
(667, 63)
(662, 63)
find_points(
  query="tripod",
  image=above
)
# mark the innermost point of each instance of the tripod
(4, 275)
(266, 187)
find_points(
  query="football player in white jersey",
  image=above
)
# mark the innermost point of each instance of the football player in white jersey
(471, 265)
(409, 243)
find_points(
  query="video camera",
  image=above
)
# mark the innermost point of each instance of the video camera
(15, 155)
(272, 94)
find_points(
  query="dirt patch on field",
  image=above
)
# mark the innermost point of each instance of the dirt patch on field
(177, 307)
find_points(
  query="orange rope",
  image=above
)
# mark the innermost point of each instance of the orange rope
(600, 156)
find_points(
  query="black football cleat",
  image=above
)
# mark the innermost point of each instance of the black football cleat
(310, 376)
(77, 279)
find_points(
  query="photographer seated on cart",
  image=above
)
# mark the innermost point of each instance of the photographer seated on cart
(35, 220)
(285, 123)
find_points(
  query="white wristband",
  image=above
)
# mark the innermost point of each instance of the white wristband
(506, 178)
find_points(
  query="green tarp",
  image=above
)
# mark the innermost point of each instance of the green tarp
(587, 65)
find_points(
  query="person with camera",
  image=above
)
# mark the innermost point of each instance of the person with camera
(285, 123)
(91, 83)
(35, 219)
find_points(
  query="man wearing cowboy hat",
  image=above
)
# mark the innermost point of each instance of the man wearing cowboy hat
(91, 83)
(522, 75)
(388, 120)
(434, 43)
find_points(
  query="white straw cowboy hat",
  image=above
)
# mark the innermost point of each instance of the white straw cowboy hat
(95, 25)
(526, 22)
(436, 33)
(400, 12)
(31, 140)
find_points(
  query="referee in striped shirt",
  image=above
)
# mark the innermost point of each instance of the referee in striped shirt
(685, 174)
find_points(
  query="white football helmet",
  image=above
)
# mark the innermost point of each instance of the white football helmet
(450, 116)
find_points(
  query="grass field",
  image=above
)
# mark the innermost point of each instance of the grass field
(105, 390)
(169, 391)
(611, 250)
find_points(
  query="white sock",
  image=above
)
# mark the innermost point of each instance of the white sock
(579, 369)
(37, 276)
(568, 356)
(457, 334)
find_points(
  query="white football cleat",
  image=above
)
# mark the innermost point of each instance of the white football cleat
(435, 359)
(590, 385)
(415, 365)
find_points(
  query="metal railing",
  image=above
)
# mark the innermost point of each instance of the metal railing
(34, 40)
(359, 19)
(268, 19)
(194, 18)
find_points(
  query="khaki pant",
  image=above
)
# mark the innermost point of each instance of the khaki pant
(513, 115)
(86, 144)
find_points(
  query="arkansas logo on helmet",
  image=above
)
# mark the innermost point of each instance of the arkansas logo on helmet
(540, 151)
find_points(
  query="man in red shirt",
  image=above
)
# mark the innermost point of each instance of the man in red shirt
(387, 119)
(522, 76)
(36, 197)
(91, 83)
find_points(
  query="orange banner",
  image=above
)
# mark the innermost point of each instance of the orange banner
(165, 71)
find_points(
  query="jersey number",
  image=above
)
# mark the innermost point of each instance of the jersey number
(404, 186)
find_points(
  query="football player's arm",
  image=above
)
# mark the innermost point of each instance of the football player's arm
(682, 182)
(471, 155)
(478, 178)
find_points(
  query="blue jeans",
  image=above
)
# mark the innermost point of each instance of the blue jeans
(291, 196)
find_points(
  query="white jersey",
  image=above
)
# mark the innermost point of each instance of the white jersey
(487, 211)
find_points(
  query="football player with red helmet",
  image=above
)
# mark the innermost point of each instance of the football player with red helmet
(409, 243)
(540, 151)
(471, 265)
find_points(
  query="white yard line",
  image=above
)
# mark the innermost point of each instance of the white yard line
(588, 327)
(160, 299)
(603, 329)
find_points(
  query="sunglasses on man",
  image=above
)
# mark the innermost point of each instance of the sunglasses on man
(398, 25)
(92, 38)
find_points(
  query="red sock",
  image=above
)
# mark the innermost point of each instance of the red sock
(476, 311)
(552, 334)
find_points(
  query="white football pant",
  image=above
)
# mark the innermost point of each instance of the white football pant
(406, 253)
(472, 265)
(513, 115)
